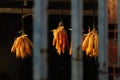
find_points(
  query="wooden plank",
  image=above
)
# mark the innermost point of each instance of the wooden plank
(118, 37)
(16, 10)
(50, 11)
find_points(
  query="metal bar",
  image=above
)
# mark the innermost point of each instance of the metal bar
(44, 39)
(36, 40)
(106, 39)
(118, 36)
(77, 23)
(40, 42)
(103, 40)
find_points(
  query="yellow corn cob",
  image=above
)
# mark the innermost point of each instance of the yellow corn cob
(20, 46)
(96, 43)
(90, 45)
(28, 47)
(86, 41)
(18, 52)
(60, 39)
(13, 49)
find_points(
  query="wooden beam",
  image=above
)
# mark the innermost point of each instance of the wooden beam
(118, 37)
(16, 10)
(50, 11)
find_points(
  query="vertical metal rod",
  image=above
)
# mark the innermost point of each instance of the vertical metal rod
(44, 27)
(118, 36)
(40, 40)
(36, 40)
(77, 24)
(106, 39)
(103, 40)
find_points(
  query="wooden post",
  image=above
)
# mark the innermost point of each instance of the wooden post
(103, 40)
(40, 40)
(77, 24)
(118, 37)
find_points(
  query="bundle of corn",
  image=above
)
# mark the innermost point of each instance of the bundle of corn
(60, 40)
(112, 11)
(90, 43)
(22, 46)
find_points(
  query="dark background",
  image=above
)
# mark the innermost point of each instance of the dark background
(59, 66)
(12, 68)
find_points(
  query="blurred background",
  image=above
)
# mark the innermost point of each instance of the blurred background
(59, 66)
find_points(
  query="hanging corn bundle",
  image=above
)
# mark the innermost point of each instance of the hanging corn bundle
(90, 43)
(112, 11)
(22, 46)
(60, 40)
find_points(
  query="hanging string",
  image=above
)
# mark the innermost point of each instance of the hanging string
(93, 17)
(94, 13)
(22, 22)
(61, 12)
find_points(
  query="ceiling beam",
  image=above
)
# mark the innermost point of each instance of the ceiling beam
(50, 11)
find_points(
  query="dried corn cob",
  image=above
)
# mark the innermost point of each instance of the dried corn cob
(60, 39)
(22, 46)
(90, 43)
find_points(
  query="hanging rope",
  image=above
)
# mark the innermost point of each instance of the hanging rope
(94, 17)
(22, 21)
(22, 16)
(61, 12)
